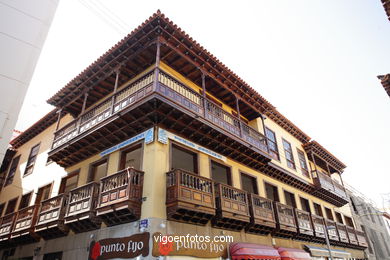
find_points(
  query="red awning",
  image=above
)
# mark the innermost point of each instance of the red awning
(293, 254)
(245, 251)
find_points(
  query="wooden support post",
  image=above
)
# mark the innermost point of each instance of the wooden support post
(204, 94)
(58, 119)
(239, 116)
(265, 133)
(117, 72)
(157, 64)
(315, 165)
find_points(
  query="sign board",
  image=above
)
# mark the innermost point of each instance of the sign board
(185, 245)
(122, 247)
(148, 136)
(164, 135)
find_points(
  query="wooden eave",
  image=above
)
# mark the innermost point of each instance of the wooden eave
(385, 79)
(322, 153)
(386, 6)
(35, 129)
(179, 48)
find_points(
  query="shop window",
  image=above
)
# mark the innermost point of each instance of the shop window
(289, 154)
(131, 158)
(69, 182)
(329, 214)
(184, 159)
(272, 145)
(271, 192)
(98, 170)
(290, 199)
(220, 173)
(318, 210)
(249, 183)
(339, 218)
(12, 170)
(25, 200)
(11, 206)
(31, 160)
(305, 205)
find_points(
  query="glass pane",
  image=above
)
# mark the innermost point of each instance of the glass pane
(249, 183)
(132, 159)
(220, 173)
(182, 159)
(99, 171)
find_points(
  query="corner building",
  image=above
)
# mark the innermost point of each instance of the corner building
(158, 136)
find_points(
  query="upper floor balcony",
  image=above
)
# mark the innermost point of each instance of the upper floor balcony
(156, 98)
(329, 189)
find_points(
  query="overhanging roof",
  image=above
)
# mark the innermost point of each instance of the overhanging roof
(385, 80)
(386, 5)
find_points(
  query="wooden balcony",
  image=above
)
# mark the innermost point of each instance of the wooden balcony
(331, 227)
(262, 219)
(328, 189)
(6, 225)
(304, 225)
(319, 228)
(147, 102)
(23, 230)
(343, 234)
(190, 198)
(361, 238)
(81, 209)
(352, 236)
(286, 225)
(120, 197)
(50, 223)
(232, 208)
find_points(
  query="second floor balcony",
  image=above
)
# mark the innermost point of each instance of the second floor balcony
(157, 100)
(329, 189)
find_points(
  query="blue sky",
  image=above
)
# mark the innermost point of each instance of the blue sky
(316, 61)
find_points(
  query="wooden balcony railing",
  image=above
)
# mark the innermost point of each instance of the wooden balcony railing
(120, 195)
(52, 209)
(262, 215)
(82, 199)
(352, 236)
(343, 235)
(190, 197)
(285, 219)
(103, 110)
(323, 181)
(50, 223)
(332, 230)
(232, 207)
(304, 223)
(25, 221)
(361, 238)
(6, 224)
(319, 227)
(80, 213)
(170, 88)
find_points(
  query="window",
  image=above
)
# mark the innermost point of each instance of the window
(12, 170)
(289, 154)
(31, 160)
(2, 206)
(249, 183)
(11, 206)
(25, 201)
(220, 173)
(318, 209)
(98, 170)
(69, 182)
(348, 221)
(329, 214)
(131, 158)
(302, 162)
(271, 192)
(339, 218)
(290, 199)
(184, 159)
(305, 205)
(272, 145)
(43, 194)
